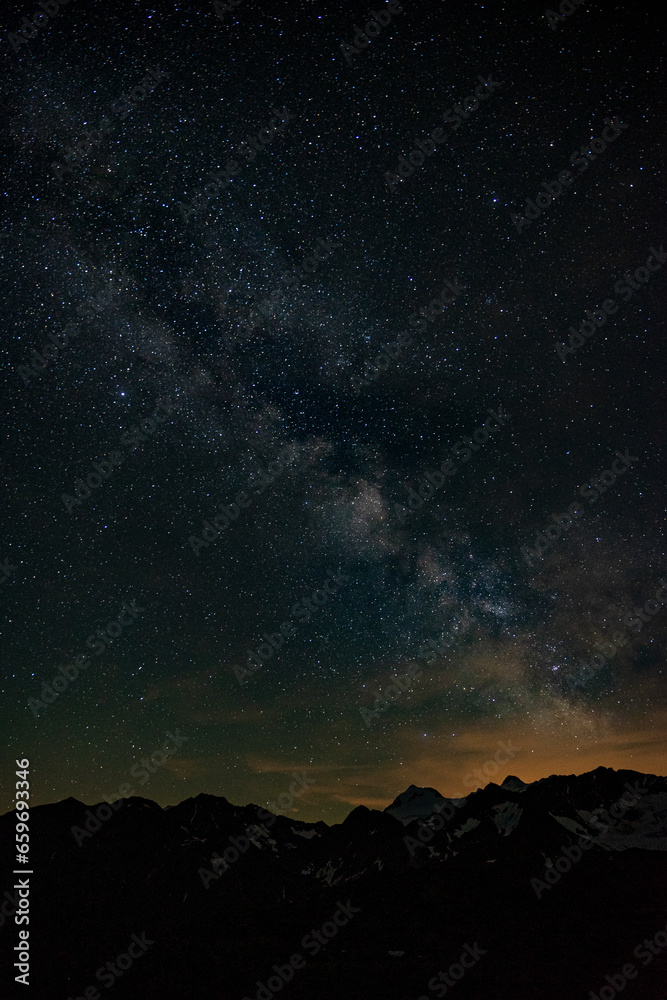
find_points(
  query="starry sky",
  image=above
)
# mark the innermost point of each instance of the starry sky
(188, 395)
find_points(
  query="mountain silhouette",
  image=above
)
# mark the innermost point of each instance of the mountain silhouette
(227, 894)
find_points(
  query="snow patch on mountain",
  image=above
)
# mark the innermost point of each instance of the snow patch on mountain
(469, 825)
(648, 831)
(416, 803)
(571, 824)
(514, 784)
(507, 816)
(327, 874)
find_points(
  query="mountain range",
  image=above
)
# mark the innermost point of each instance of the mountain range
(547, 889)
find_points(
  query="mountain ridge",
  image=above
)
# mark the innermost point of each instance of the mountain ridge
(570, 865)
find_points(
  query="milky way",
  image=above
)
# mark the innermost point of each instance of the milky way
(360, 364)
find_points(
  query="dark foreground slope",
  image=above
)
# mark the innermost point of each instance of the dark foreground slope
(394, 900)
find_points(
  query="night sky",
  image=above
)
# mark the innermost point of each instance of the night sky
(205, 369)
